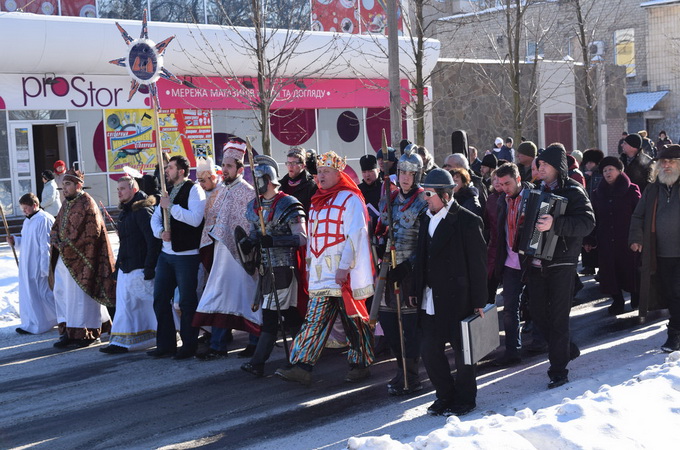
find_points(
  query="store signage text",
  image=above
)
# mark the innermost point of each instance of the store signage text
(79, 92)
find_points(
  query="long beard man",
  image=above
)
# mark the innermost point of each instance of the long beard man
(669, 175)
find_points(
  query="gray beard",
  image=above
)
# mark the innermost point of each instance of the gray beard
(669, 179)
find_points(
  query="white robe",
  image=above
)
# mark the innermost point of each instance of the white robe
(229, 290)
(134, 326)
(36, 300)
(74, 307)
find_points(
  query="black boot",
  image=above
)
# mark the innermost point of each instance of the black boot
(616, 307)
(673, 342)
(396, 385)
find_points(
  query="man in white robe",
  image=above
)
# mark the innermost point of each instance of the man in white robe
(36, 301)
(230, 290)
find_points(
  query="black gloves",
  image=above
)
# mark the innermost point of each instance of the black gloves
(266, 241)
(398, 274)
(149, 273)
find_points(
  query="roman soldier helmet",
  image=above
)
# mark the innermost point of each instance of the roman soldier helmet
(266, 170)
(411, 161)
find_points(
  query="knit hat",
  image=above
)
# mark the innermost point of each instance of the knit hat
(671, 151)
(556, 157)
(60, 167)
(612, 161)
(498, 141)
(234, 149)
(368, 162)
(634, 140)
(490, 161)
(592, 155)
(527, 148)
(578, 156)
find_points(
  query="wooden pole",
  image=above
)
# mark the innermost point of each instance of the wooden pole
(4, 221)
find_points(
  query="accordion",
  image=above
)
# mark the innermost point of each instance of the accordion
(529, 241)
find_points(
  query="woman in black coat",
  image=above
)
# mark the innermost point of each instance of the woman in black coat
(614, 201)
(465, 193)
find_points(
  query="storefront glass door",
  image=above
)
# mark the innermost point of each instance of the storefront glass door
(22, 178)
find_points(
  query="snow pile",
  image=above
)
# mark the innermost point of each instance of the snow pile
(9, 290)
(640, 413)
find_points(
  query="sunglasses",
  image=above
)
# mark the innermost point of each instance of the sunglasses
(430, 193)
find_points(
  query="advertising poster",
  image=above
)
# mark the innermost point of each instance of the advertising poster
(186, 132)
(335, 15)
(77, 8)
(130, 139)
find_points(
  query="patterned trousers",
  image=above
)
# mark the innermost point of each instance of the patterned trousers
(321, 314)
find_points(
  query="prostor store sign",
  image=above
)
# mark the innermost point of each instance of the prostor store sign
(24, 92)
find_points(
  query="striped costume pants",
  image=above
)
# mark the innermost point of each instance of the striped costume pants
(321, 314)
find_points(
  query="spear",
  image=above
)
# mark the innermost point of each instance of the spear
(4, 221)
(268, 268)
(108, 216)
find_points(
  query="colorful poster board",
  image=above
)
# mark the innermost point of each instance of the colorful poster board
(183, 129)
(77, 8)
(352, 16)
(130, 139)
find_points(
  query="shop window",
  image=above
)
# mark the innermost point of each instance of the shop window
(4, 147)
(624, 50)
(38, 114)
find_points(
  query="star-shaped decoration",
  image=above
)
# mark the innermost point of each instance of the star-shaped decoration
(144, 61)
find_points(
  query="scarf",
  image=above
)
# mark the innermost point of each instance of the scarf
(345, 184)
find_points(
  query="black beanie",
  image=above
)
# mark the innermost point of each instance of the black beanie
(368, 162)
(490, 161)
(527, 148)
(611, 161)
(634, 140)
(556, 156)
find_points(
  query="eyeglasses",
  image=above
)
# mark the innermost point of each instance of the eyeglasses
(430, 193)
(292, 164)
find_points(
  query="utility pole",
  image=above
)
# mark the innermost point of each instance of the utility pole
(393, 68)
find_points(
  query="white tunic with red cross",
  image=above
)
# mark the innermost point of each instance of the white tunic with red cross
(338, 239)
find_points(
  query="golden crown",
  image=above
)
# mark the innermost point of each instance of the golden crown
(332, 160)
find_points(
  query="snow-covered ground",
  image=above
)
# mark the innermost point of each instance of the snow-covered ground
(604, 406)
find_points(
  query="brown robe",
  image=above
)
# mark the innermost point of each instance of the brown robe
(79, 235)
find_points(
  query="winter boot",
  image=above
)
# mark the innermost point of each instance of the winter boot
(616, 307)
(357, 373)
(296, 374)
(673, 342)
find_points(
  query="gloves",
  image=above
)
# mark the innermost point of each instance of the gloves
(247, 245)
(266, 241)
(149, 273)
(398, 274)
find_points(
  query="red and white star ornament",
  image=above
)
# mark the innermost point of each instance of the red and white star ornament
(144, 61)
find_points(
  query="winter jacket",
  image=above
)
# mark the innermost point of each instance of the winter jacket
(468, 198)
(614, 206)
(51, 202)
(577, 221)
(490, 217)
(639, 170)
(501, 239)
(302, 191)
(641, 225)
(662, 142)
(574, 172)
(648, 147)
(505, 153)
(593, 180)
(482, 189)
(139, 249)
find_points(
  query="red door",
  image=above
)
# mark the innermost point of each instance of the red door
(558, 128)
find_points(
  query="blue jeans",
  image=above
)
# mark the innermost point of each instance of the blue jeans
(512, 292)
(179, 271)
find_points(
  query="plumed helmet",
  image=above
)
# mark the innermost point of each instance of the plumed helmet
(411, 161)
(266, 170)
(438, 179)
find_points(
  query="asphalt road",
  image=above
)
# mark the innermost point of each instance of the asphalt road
(85, 399)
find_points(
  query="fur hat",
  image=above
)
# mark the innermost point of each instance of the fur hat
(234, 149)
(634, 140)
(75, 175)
(611, 161)
(671, 151)
(593, 155)
(527, 148)
(490, 161)
(368, 162)
(332, 160)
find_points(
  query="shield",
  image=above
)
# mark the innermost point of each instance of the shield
(248, 253)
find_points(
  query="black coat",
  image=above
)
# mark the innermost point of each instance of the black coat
(468, 198)
(639, 170)
(453, 261)
(139, 249)
(303, 191)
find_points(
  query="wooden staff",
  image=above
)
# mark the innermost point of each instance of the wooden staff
(4, 221)
(161, 171)
(108, 216)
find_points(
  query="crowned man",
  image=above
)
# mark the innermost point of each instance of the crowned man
(83, 282)
(408, 206)
(340, 274)
(228, 296)
(285, 231)
(36, 301)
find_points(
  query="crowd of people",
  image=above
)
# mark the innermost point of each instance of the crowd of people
(312, 257)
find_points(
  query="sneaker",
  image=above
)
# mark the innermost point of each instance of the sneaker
(438, 407)
(558, 381)
(247, 352)
(211, 354)
(113, 349)
(255, 369)
(296, 374)
(459, 410)
(357, 373)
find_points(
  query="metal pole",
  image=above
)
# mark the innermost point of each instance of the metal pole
(393, 70)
